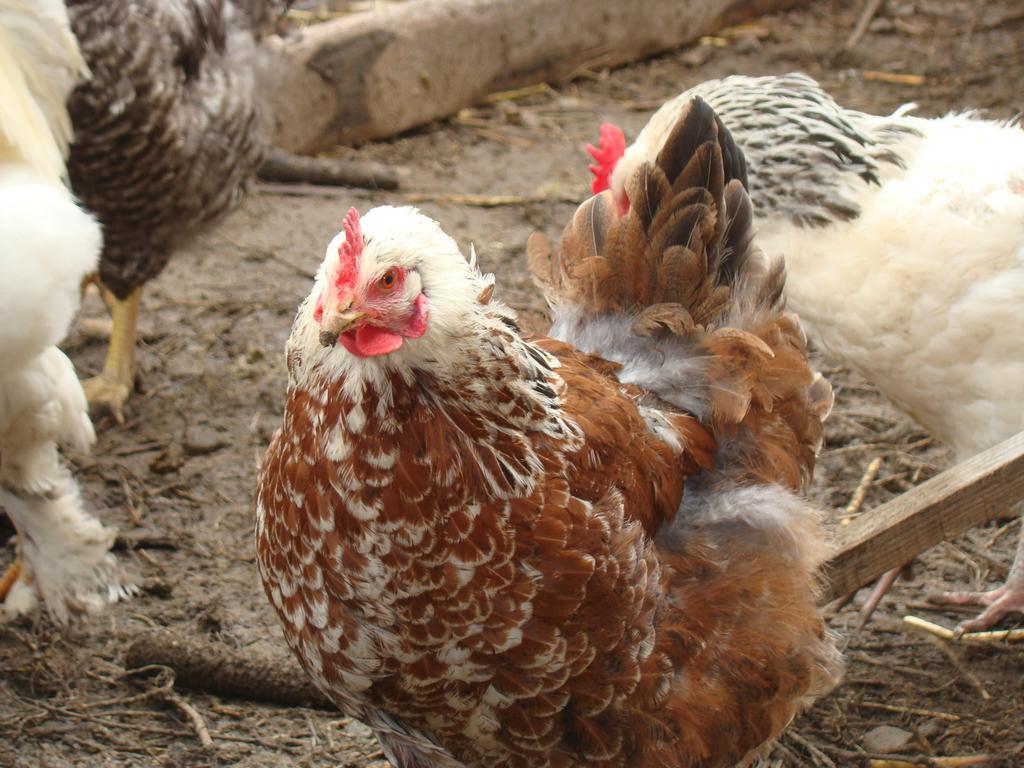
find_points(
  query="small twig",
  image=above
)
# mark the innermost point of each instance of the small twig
(965, 552)
(133, 512)
(309, 274)
(905, 710)
(519, 93)
(193, 714)
(487, 201)
(895, 78)
(962, 761)
(298, 190)
(135, 540)
(887, 664)
(819, 757)
(993, 636)
(955, 660)
(870, 9)
(950, 654)
(857, 500)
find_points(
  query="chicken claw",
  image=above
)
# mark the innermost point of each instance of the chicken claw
(107, 394)
(998, 603)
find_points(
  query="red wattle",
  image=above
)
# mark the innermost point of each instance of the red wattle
(370, 341)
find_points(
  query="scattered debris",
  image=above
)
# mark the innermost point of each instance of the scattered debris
(892, 77)
(990, 636)
(887, 738)
(870, 9)
(857, 501)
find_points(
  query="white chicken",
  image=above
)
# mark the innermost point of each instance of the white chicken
(904, 244)
(50, 245)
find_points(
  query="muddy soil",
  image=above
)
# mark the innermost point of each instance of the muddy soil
(177, 477)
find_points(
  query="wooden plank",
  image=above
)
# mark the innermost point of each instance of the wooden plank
(374, 74)
(976, 490)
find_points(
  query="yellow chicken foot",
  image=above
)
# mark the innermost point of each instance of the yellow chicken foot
(110, 390)
(10, 576)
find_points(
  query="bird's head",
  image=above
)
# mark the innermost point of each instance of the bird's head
(392, 285)
(371, 298)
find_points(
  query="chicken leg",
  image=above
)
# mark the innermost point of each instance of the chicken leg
(110, 389)
(998, 602)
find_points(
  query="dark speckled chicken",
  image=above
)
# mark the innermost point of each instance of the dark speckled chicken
(167, 133)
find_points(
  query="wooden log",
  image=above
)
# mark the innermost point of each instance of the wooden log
(205, 665)
(976, 490)
(297, 169)
(374, 74)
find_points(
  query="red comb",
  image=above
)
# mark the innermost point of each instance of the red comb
(608, 152)
(350, 250)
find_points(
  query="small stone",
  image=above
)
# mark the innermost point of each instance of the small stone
(202, 440)
(695, 57)
(747, 44)
(899, 9)
(159, 588)
(886, 738)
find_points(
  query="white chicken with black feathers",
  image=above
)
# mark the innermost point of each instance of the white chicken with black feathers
(50, 245)
(904, 247)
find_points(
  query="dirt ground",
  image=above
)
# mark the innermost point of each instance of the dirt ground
(177, 477)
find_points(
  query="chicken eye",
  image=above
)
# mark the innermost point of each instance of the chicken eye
(387, 280)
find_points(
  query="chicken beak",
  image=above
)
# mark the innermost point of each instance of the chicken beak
(336, 322)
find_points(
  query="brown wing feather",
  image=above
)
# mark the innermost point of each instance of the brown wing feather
(679, 240)
(683, 260)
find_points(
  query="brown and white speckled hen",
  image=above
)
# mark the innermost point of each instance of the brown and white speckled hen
(167, 133)
(582, 550)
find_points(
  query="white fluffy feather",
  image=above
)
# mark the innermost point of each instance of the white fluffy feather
(923, 293)
(64, 550)
(40, 64)
(50, 245)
